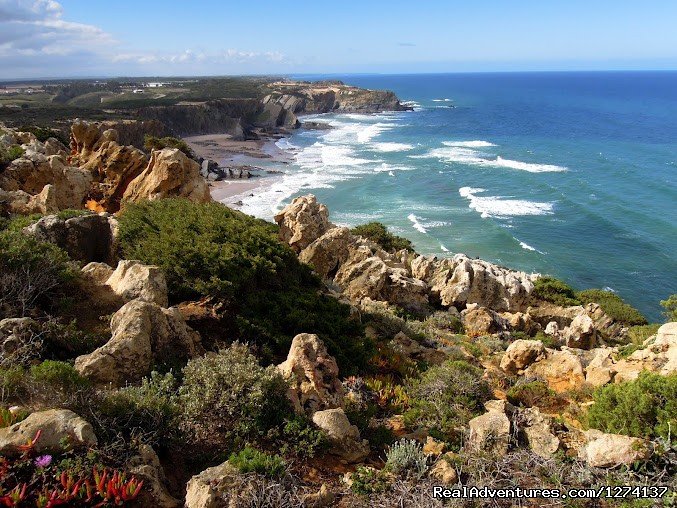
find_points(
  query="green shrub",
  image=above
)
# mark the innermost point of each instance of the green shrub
(32, 273)
(58, 375)
(446, 397)
(367, 480)
(211, 250)
(613, 306)
(146, 412)
(533, 393)
(250, 460)
(43, 133)
(155, 143)
(555, 291)
(11, 383)
(228, 398)
(378, 233)
(646, 407)
(547, 340)
(406, 457)
(301, 438)
(9, 154)
(670, 306)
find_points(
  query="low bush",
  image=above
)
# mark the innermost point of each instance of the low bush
(9, 154)
(367, 480)
(639, 333)
(555, 291)
(43, 133)
(301, 439)
(378, 233)
(646, 407)
(58, 375)
(533, 393)
(145, 413)
(250, 460)
(670, 306)
(228, 399)
(446, 397)
(406, 458)
(155, 143)
(211, 250)
(32, 274)
(613, 305)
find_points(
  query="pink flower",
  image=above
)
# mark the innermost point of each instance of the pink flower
(43, 461)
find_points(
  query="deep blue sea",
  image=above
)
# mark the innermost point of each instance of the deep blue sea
(568, 174)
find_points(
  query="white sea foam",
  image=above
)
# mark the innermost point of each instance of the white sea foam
(466, 152)
(469, 144)
(503, 207)
(417, 225)
(285, 144)
(442, 100)
(391, 147)
(444, 249)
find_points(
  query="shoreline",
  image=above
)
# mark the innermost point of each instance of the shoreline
(261, 157)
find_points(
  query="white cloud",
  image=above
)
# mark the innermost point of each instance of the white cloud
(35, 41)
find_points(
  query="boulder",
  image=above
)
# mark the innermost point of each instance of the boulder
(60, 430)
(170, 173)
(97, 272)
(581, 333)
(210, 488)
(88, 237)
(478, 321)
(313, 375)
(302, 222)
(460, 281)
(327, 253)
(538, 433)
(343, 437)
(562, 370)
(443, 471)
(21, 203)
(522, 353)
(490, 432)
(520, 322)
(600, 369)
(611, 450)
(133, 280)
(143, 334)
(146, 467)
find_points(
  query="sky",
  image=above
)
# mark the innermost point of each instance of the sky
(91, 38)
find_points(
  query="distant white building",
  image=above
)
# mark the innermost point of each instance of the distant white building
(155, 84)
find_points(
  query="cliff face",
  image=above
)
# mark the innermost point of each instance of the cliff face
(229, 116)
(278, 109)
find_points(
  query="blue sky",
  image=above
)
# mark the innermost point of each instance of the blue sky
(46, 38)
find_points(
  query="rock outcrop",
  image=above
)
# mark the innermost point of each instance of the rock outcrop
(313, 375)
(59, 430)
(209, 489)
(344, 438)
(490, 432)
(86, 238)
(143, 334)
(302, 222)
(134, 280)
(170, 173)
(611, 450)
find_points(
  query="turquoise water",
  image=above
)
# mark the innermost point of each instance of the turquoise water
(570, 174)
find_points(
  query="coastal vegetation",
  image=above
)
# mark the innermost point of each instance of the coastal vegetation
(154, 143)
(377, 232)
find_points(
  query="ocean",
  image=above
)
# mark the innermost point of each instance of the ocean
(567, 174)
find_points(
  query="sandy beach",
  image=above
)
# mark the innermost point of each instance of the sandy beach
(260, 157)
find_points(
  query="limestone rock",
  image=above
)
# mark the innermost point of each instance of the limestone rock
(490, 432)
(479, 321)
(522, 353)
(60, 430)
(443, 471)
(581, 333)
(328, 252)
(601, 369)
(562, 370)
(89, 237)
(132, 280)
(538, 432)
(142, 334)
(611, 450)
(520, 322)
(313, 374)
(97, 272)
(209, 489)
(323, 497)
(302, 222)
(344, 438)
(170, 173)
(146, 467)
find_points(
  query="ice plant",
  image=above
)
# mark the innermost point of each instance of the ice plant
(114, 489)
(30, 443)
(43, 461)
(17, 495)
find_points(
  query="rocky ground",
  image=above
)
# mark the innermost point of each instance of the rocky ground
(432, 371)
